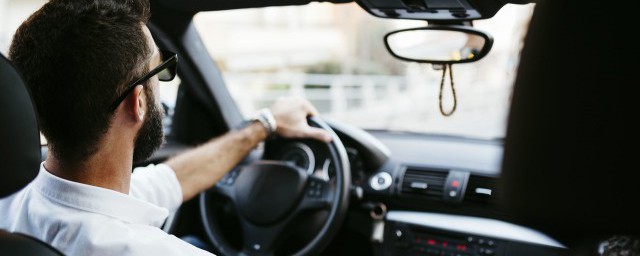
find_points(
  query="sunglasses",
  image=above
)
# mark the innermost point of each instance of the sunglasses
(166, 71)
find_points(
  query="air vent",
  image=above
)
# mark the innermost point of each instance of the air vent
(426, 183)
(481, 190)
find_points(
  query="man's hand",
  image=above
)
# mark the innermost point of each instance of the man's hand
(291, 118)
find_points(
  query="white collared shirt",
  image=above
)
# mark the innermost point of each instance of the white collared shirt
(80, 219)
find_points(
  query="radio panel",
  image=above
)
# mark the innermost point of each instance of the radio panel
(404, 239)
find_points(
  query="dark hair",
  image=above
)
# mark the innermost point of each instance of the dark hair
(76, 57)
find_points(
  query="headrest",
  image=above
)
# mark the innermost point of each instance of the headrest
(19, 135)
(571, 162)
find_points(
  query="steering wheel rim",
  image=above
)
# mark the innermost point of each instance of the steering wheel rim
(337, 207)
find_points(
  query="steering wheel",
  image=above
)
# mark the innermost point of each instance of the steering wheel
(268, 195)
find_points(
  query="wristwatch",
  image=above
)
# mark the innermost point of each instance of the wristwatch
(268, 121)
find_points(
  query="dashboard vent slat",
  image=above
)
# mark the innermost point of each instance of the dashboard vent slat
(481, 190)
(424, 183)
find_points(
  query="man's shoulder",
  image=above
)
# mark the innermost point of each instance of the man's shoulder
(158, 185)
(152, 167)
(108, 236)
(10, 207)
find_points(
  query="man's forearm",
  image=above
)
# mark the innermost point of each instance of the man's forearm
(202, 167)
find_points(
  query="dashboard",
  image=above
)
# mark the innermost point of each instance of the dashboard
(439, 194)
(412, 194)
(439, 174)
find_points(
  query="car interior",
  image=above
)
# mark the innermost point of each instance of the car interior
(561, 182)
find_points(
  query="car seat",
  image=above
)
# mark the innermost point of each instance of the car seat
(570, 166)
(20, 151)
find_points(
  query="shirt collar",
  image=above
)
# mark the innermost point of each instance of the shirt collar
(98, 200)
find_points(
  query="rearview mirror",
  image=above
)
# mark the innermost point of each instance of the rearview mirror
(439, 44)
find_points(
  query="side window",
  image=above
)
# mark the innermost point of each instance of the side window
(168, 96)
(12, 14)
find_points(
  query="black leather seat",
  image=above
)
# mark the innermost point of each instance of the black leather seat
(20, 151)
(571, 164)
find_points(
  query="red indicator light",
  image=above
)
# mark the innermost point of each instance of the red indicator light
(431, 242)
(455, 183)
(461, 247)
(444, 244)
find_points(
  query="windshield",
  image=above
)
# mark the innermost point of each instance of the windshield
(334, 55)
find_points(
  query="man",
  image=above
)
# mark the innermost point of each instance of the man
(93, 70)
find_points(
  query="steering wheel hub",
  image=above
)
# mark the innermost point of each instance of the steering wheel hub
(267, 191)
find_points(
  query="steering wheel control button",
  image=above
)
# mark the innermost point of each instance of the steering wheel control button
(315, 188)
(381, 181)
(230, 177)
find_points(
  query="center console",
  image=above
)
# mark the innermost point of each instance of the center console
(409, 233)
(406, 239)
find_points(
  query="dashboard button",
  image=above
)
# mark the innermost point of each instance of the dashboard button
(399, 233)
(381, 181)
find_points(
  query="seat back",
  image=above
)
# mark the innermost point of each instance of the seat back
(570, 165)
(19, 136)
(20, 152)
(18, 244)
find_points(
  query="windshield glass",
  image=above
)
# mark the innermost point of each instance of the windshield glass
(334, 55)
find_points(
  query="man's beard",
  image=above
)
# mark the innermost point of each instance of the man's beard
(150, 136)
